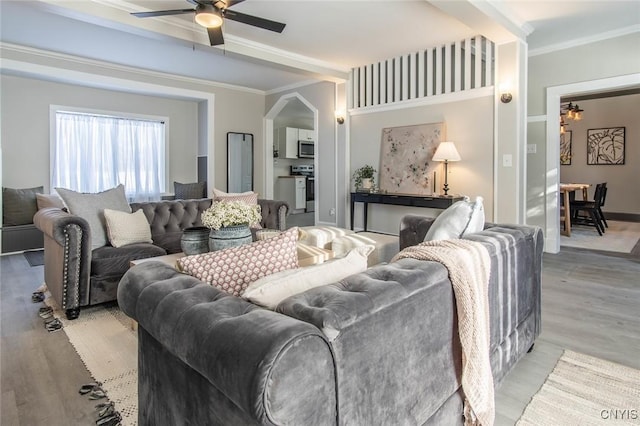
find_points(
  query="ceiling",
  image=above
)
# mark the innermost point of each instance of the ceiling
(322, 39)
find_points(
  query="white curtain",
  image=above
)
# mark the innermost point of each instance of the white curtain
(94, 153)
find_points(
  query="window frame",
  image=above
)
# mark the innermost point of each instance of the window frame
(54, 109)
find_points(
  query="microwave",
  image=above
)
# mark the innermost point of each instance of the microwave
(306, 149)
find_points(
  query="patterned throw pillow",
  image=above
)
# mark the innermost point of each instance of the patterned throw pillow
(189, 191)
(248, 197)
(232, 270)
(127, 228)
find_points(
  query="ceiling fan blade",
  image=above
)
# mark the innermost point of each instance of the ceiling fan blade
(215, 36)
(162, 13)
(254, 20)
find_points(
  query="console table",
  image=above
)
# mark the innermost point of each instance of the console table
(431, 201)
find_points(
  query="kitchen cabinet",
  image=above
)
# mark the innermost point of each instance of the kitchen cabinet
(306, 135)
(287, 140)
(293, 190)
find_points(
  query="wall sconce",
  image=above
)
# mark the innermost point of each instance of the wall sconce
(505, 93)
(339, 116)
(446, 152)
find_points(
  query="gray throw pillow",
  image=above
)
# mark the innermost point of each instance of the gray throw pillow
(91, 208)
(189, 191)
(19, 205)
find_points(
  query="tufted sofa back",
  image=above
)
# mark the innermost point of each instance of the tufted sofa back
(169, 218)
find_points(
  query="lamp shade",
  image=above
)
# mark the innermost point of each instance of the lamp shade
(446, 152)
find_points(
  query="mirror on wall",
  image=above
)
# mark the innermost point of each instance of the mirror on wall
(239, 162)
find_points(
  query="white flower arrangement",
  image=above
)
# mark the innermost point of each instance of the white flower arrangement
(231, 213)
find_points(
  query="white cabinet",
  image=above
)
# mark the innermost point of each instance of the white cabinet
(287, 140)
(293, 190)
(306, 135)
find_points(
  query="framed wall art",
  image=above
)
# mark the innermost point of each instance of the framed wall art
(605, 146)
(565, 148)
(405, 158)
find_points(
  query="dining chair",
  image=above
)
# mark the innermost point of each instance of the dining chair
(591, 208)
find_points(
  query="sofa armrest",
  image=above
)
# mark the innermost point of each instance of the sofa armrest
(413, 229)
(67, 257)
(276, 369)
(274, 214)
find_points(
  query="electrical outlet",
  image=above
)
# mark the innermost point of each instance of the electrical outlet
(532, 148)
(507, 160)
(332, 211)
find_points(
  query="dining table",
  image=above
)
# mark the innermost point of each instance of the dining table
(565, 190)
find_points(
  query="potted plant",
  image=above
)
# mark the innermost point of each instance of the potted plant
(364, 177)
(229, 222)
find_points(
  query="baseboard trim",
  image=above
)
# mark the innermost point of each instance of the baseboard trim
(625, 217)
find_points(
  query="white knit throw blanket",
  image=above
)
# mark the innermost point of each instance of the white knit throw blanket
(469, 266)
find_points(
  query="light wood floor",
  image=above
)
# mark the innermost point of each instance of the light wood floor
(590, 305)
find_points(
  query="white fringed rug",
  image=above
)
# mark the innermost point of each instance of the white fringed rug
(108, 346)
(582, 390)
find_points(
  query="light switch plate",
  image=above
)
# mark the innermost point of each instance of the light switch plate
(507, 160)
(532, 148)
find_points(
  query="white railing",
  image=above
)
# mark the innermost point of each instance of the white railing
(460, 66)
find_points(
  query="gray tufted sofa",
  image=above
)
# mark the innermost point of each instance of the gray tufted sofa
(78, 276)
(378, 348)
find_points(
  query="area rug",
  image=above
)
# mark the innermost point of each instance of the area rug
(582, 390)
(34, 257)
(105, 340)
(619, 237)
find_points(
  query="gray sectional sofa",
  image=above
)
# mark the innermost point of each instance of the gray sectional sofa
(378, 348)
(77, 275)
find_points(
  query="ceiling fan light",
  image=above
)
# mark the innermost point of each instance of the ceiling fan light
(208, 16)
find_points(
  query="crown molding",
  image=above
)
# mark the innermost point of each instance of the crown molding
(108, 66)
(585, 40)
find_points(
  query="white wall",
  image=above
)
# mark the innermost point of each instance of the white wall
(620, 111)
(222, 109)
(25, 126)
(469, 124)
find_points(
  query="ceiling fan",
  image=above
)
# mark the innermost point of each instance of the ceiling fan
(211, 14)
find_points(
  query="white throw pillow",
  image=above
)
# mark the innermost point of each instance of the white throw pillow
(127, 228)
(322, 236)
(461, 218)
(272, 289)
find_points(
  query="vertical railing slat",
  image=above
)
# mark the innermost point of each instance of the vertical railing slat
(421, 75)
(375, 100)
(457, 61)
(390, 81)
(430, 71)
(363, 99)
(438, 64)
(477, 75)
(397, 76)
(467, 64)
(488, 64)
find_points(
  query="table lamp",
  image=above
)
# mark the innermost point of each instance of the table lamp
(446, 152)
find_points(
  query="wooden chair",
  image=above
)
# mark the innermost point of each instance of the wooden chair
(592, 209)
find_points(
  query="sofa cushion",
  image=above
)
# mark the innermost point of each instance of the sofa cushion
(232, 270)
(127, 228)
(272, 289)
(112, 261)
(322, 236)
(248, 197)
(189, 191)
(461, 218)
(386, 246)
(91, 208)
(19, 205)
(49, 200)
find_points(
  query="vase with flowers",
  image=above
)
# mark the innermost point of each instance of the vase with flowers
(229, 222)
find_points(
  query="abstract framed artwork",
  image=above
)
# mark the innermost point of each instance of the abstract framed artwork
(565, 148)
(405, 158)
(605, 146)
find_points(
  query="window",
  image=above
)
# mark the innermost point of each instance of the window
(94, 152)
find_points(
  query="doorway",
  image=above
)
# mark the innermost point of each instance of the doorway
(554, 95)
(291, 111)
